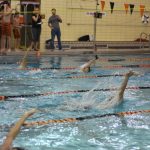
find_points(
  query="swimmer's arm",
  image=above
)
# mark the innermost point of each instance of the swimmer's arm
(88, 64)
(123, 87)
(15, 130)
(91, 62)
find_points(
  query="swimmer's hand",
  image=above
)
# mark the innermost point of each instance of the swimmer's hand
(132, 73)
(31, 112)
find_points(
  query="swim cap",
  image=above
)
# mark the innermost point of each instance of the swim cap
(18, 148)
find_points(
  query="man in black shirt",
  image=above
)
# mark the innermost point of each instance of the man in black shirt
(36, 28)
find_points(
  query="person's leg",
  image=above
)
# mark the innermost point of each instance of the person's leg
(0, 36)
(3, 40)
(18, 43)
(38, 38)
(33, 39)
(124, 84)
(15, 43)
(19, 39)
(59, 39)
(8, 37)
(52, 38)
(9, 43)
(16, 38)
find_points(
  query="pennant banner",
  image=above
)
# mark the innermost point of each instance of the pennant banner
(112, 6)
(102, 5)
(142, 8)
(126, 7)
(131, 8)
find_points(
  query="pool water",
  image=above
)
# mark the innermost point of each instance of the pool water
(131, 132)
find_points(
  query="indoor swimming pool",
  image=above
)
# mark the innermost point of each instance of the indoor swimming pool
(55, 86)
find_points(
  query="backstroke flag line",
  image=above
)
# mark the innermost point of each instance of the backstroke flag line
(102, 5)
(131, 8)
(126, 7)
(112, 6)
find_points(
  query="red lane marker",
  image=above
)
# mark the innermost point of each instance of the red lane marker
(145, 66)
(2, 98)
(134, 88)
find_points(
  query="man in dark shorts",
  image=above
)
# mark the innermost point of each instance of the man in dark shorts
(53, 23)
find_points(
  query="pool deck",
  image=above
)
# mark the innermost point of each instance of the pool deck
(85, 52)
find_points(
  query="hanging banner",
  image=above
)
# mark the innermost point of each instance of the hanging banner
(102, 5)
(142, 8)
(126, 7)
(131, 8)
(145, 18)
(112, 6)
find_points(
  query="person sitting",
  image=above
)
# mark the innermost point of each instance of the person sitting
(7, 145)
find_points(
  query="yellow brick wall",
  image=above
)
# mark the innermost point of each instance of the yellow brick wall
(117, 26)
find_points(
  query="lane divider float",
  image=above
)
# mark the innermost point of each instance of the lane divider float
(105, 67)
(124, 59)
(70, 120)
(100, 59)
(4, 98)
(75, 67)
(70, 77)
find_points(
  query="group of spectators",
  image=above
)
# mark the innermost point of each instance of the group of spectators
(10, 21)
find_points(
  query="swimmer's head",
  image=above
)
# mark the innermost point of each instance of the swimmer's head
(18, 148)
(87, 69)
(87, 107)
(96, 57)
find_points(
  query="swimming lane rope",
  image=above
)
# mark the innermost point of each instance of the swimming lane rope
(105, 67)
(69, 77)
(4, 98)
(124, 59)
(100, 59)
(66, 120)
(75, 67)
(113, 60)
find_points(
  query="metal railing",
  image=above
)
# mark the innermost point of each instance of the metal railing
(145, 37)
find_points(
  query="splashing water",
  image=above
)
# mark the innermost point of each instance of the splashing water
(89, 100)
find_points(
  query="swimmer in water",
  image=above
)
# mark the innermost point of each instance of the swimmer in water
(7, 145)
(118, 98)
(111, 102)
(87, 66)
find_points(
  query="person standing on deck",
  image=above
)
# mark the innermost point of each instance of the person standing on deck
(53, 23)
(36, 29)
(6, 28)
(16, 31)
